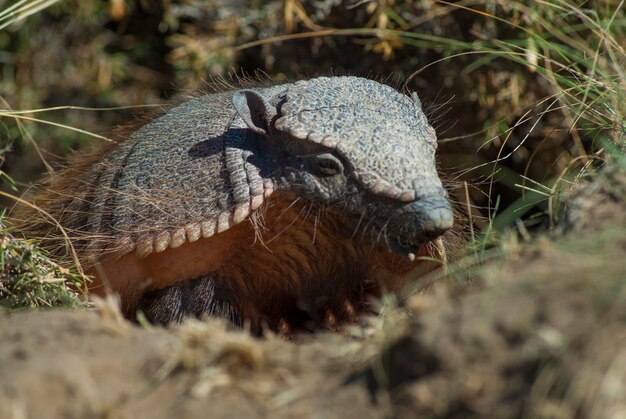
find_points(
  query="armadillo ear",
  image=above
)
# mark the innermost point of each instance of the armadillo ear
(254, 110)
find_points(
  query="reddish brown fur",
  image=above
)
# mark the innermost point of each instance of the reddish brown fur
(287, 260)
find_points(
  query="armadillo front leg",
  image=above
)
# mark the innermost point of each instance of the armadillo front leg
(197, 297)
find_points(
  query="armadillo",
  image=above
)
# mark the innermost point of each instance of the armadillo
(276, 206)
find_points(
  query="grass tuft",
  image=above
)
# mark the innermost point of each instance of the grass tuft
(29, 278)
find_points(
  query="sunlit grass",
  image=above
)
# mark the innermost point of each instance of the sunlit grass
(22, 9)
(29, 278)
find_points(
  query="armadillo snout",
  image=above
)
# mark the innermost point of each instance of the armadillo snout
(419, 222)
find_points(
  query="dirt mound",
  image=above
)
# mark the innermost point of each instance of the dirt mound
(77, 364)
(545, 338)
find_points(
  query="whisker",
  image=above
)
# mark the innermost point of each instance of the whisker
(356, 229)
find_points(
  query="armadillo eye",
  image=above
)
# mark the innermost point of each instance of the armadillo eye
(328, 165)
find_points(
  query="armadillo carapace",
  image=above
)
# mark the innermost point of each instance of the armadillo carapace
(283, 206)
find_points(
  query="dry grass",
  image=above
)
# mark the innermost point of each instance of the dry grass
(30, 278)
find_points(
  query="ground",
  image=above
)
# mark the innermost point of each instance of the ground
(540, 333)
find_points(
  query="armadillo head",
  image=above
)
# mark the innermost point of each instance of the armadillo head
(358, 144)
